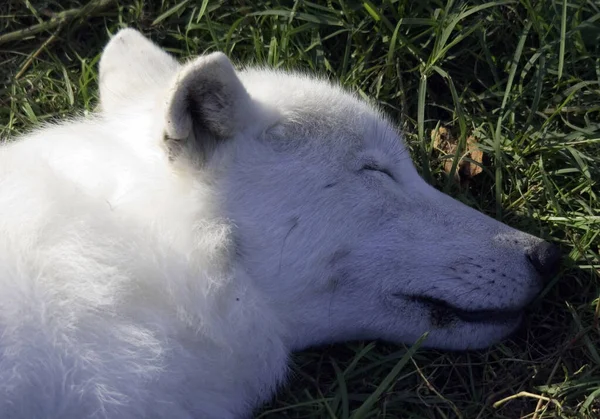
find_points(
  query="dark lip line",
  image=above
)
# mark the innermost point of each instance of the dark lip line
(471, 316)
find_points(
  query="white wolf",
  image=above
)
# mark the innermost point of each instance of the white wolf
(162, 258)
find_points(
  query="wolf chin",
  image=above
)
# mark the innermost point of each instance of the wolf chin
(162, 257)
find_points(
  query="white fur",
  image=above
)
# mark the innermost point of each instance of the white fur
(139, 279)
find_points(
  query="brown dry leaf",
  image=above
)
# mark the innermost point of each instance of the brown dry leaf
(475, 154)
(444, 142)
(447, 144)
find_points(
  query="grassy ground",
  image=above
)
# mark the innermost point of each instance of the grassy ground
(522, 77)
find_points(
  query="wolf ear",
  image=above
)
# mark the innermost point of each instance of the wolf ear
(206, 103)
(132, 68)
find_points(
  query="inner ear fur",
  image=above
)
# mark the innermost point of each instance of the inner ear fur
(206, 103)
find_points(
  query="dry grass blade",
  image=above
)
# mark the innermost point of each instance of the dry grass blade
(59, 19)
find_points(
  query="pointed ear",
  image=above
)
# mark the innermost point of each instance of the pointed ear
(131, 68)
(207, 103)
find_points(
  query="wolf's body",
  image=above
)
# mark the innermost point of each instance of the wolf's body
(162, 258)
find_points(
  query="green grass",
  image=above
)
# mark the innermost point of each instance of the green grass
(521, 76)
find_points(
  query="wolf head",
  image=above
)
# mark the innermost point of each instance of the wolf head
(331, 221)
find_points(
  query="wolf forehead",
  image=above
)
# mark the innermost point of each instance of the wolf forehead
(309, 107)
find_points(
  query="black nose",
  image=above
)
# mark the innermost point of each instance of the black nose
(545, 258)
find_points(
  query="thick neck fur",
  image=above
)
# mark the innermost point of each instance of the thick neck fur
(236, 333)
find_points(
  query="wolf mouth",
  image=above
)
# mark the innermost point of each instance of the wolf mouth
(443, 309)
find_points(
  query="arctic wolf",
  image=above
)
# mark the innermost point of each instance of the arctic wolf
(163, 257)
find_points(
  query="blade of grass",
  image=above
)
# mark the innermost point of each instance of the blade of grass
(170, 12)
(387, 382)
(563, 39)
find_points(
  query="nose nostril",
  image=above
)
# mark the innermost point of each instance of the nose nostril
(545, 258)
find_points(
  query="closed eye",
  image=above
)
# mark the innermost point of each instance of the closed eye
(374, 168)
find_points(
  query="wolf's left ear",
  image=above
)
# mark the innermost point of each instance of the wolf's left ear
(206, 103)
(132, 69)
